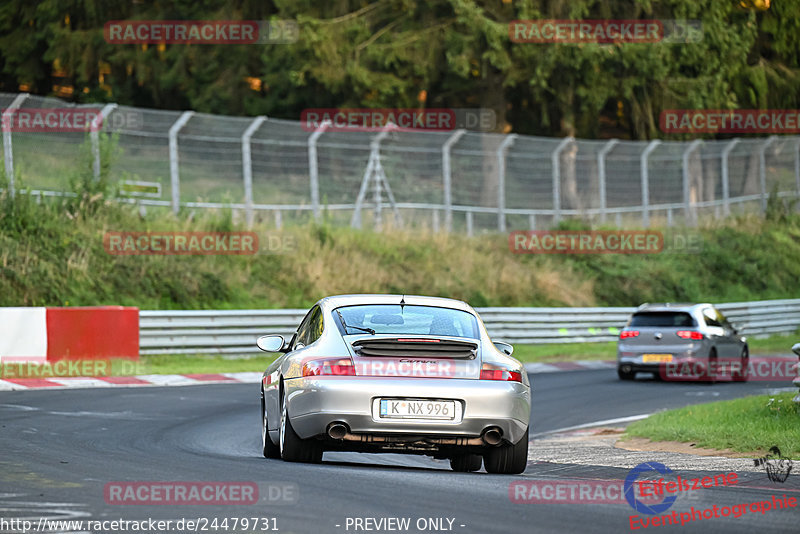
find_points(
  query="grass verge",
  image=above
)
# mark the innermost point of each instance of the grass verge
(748, 425)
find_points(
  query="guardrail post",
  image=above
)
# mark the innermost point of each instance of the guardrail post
(469, 224)
(762, 170)
(313, 166)
(646, 181)
(796, 381)
(447, 178)
(726, 188)
(94, 134)
(8, 151)
(555, 163)
(174, 171)
(501, 181)
(689, 214)
(247, 168)
(601, 176)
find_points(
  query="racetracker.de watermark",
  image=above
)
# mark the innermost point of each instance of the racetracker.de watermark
(774, 121)
(376, 119)
(194, 493)
(765, 370)
(71, 368)
(33, 120)
(195, 243)
(201, 31)
(602, 242)
(605, 31)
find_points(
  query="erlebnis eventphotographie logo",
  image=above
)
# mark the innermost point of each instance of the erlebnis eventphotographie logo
(776, 466)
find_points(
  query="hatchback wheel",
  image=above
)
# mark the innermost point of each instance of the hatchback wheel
(744, 373)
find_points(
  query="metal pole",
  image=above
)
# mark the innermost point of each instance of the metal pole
(8, 153)
(313, 166)
(762, 170)
(174, 172)
(689, 214)
(646, 182)
(555, 160)
(501, 182)
(372, 167)
(247, 167)
(797, 165)
(94, 134)
(726, 181)
(601, 176)
(447, 178)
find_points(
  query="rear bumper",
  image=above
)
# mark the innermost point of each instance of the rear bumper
(632, 358)
(314, 403)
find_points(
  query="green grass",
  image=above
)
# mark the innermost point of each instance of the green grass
(747, 425)
(202, 364)
(560, 352)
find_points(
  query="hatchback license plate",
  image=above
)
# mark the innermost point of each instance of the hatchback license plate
(648, 358)
(417, 409)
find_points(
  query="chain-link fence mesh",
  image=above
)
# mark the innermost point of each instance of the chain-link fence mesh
(462, 181)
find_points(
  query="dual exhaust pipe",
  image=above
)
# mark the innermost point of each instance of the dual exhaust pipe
(491, 436)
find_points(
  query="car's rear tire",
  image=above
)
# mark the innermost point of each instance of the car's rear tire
(269, 449)
(710, 377)
(466, 463)
(744, 374)
(625, 375)
(507, 459)
(293, 448)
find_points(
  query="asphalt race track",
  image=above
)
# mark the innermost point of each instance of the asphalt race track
(59, 448)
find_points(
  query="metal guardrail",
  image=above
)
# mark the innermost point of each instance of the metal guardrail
(235, 331)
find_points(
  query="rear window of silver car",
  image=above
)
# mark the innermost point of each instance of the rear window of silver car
(663, 319)
(420, 320)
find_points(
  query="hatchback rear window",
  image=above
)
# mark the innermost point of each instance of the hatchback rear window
(662, 319)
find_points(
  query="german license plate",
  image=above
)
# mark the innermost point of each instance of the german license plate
(417, 409)
(650, 358)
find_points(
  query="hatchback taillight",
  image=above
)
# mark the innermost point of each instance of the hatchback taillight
(689, 334)
(329, 367)
(625, 334)
(498, 372)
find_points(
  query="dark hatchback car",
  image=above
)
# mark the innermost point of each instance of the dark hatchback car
(676, 334)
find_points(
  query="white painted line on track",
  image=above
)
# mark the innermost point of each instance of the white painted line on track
(628, 419)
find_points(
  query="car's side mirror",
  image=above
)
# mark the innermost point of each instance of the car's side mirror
(505, 348)
(270, 343)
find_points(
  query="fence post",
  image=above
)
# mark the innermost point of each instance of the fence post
(247, 167)
(94, 134)
(555, 160)
(646, 181)
(689, 212)
(313, 166)
(174, 173)
(8, 152)
(501, 181)
(447, 178)
(726, 181)
(469, 222)
(601, 176)
(797, 165)
(762, 170)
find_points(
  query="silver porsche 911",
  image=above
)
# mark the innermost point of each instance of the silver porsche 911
(392, 373)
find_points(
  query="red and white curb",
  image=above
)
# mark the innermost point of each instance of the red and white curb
(129, 381)
(226, 378)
